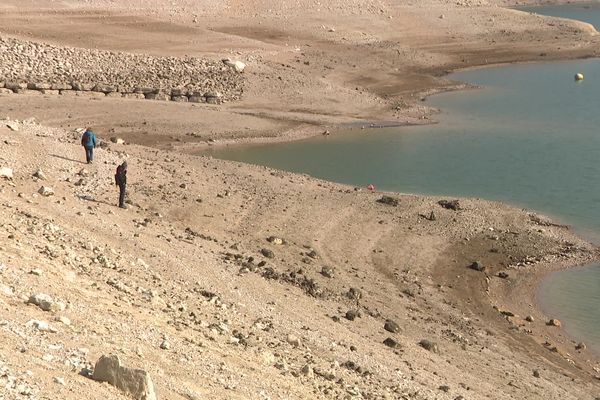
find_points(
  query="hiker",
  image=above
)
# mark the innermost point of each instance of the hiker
(88, 141)
(121, 181)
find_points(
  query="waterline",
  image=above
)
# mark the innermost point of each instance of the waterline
(530, 138)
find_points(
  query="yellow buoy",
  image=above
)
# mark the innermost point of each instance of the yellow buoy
(579, 77)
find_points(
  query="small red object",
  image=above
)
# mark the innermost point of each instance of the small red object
(371, 187)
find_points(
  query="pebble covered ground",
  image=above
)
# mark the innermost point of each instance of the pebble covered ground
(227, 281)
(216, 283)
(38, 66)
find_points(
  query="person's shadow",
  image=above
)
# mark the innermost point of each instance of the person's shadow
(90, 198)
(68, 159)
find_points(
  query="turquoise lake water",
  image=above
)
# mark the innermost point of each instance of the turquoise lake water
(530, 137)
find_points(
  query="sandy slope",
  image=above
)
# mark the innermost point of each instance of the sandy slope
(308, 63)
(175, 267)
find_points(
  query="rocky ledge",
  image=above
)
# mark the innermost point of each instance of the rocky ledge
(27, 67)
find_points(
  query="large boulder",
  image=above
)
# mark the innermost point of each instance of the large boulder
(134, 382)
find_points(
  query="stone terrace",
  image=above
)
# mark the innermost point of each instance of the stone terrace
(26, 65)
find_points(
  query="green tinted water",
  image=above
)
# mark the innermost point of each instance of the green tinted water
(531, 138)
(582, 12)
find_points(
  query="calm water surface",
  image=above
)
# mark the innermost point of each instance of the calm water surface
(530, 137)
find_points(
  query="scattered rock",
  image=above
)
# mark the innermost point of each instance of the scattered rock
(165, 345)
(429, 345)
(64, 320)
(529, 318)
(580, 346)
(308, 371)
(327, 272)
(536, 373)
(39, 174)
(450, 204)
(351, 315)
(503, 275)
(5, 290)
(293, 340)
(390, 201)
(477, 266)
(391, 326)
(554, 322)
(135, 382)
(238, 66)
(43, 301)
(117, 140)
(13, 126)
(46, 191)
(59, 380)
(41, 326)
(267, 253)
(312, 254)
(6, 173)
(354, 294)
(275, 240)
(389, 342)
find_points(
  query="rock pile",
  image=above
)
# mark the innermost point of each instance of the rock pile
(36, 67)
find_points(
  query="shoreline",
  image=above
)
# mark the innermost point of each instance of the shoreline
(409, 269)
(594, 352)
(530, 280)
(188, 264)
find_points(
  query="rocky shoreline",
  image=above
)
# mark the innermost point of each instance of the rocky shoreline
(328, 291)
(29, 67)
(229, 281)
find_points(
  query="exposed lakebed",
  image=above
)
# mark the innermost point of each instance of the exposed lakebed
(529, 137)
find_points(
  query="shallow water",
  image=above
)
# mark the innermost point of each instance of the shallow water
(530, 137)
(573, 297)
(582, 12)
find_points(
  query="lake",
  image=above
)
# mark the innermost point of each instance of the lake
(530, 137)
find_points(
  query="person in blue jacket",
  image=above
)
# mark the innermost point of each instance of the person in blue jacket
(88, 141)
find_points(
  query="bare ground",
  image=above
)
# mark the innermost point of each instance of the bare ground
(175, 266)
